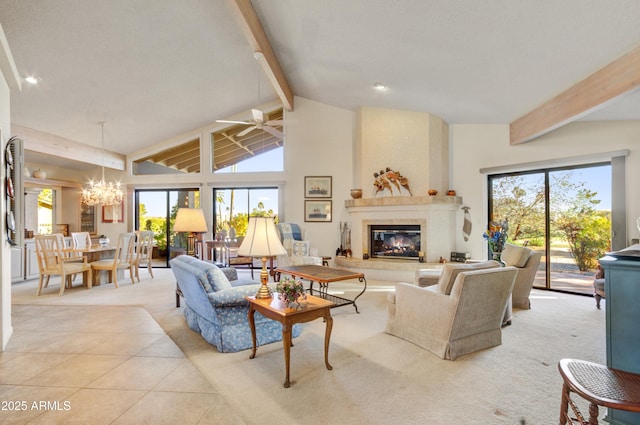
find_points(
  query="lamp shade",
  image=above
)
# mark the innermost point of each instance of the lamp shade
(190, 220)
(262, 239)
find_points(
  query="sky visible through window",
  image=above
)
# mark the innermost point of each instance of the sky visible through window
(597, 179)
(155, 202)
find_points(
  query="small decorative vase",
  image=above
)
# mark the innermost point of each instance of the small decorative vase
(104, 242)
(356, 193)
(39, 174)
(451, 193)
(432, 192)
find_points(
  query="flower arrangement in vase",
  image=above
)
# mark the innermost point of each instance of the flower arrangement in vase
(290, 292)
(496, 236)
(104, 241)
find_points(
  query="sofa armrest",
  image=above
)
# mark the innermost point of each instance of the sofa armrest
(233, 297)
(427, 277)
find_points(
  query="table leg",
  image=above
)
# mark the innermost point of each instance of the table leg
(327, 338)
(363, 280)
(252, 325)
(286, 343)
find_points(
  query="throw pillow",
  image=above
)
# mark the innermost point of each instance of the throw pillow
(217, 279)
(516, 256)
(300, 248)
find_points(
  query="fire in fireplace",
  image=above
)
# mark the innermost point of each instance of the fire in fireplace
(397, 241)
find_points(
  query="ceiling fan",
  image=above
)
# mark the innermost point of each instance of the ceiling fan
(258, 122)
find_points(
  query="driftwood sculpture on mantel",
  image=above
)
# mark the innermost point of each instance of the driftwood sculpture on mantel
(390, 183)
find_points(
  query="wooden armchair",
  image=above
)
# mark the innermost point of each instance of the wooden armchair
(122, 260)
(54, 260)
(143, 252)
(80, 240)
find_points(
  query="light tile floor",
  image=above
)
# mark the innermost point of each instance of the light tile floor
(74, 364)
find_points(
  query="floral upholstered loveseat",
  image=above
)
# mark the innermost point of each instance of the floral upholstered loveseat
(215, 305)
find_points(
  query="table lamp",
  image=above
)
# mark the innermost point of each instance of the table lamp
(262, 241)
(190, 220)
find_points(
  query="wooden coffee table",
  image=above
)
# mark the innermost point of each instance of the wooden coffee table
(324, 275)
(311, 309)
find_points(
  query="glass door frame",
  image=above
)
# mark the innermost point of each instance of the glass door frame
(168, 208)
(545, 172)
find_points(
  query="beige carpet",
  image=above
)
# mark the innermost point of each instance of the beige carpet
(377, 378)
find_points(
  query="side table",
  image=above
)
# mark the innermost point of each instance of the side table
(272, 308)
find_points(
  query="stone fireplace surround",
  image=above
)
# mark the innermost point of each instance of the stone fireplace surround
(436, 216)
(415, 144)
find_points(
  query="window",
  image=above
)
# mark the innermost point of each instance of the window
(564, 212)
(182, 159)
(241, 148)
(234, 206)
(156, 210)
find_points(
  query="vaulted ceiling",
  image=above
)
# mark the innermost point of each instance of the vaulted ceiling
(154, 69)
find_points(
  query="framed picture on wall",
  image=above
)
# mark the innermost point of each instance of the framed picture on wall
(317, 187)
(319, 211)
(113, 213)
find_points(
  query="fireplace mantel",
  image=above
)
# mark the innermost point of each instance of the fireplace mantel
(390, 201)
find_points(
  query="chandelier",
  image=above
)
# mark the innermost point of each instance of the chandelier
(102, 191)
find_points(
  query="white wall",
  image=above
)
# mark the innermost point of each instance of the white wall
(412, 143)
(5, 255)
(474, 146)
(319, 143)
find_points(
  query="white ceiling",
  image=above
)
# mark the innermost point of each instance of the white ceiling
(153, 69)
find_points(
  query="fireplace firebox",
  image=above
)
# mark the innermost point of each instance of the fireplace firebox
(395, 241)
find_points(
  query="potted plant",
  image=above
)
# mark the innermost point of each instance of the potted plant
(291, 292)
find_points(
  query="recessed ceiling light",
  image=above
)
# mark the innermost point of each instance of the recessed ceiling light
(32, 80)
(379, 86)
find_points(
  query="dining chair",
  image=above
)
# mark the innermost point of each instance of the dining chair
(143, 252)
(122, 260)
(80, 240)
(54, 261)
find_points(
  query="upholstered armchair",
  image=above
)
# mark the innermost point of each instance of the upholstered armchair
(526, 261)
(299, 251)
(457, 316)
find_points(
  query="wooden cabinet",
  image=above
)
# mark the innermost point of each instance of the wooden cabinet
(88, 222)
(622, 291)
(16, 265)
(31, 270)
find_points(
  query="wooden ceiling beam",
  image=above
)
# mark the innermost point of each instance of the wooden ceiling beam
(253, 30)
(235, 142)
(53, 145)
(614, 80)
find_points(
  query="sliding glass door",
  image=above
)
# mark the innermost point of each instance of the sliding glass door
(565, 213)
(156, 210)
(232, 208)
(517, 204)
